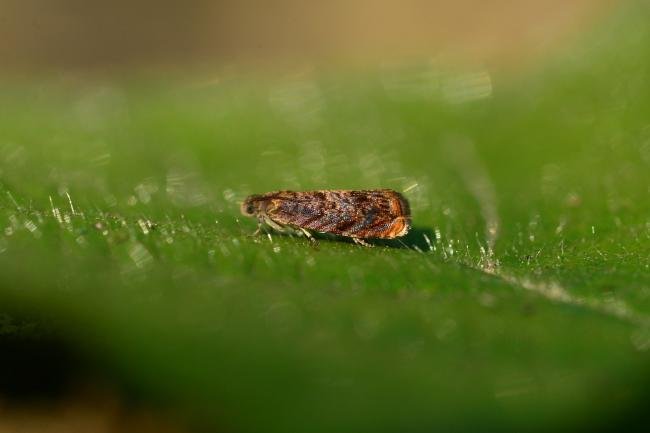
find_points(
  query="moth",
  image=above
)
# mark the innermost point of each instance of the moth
(361, 214)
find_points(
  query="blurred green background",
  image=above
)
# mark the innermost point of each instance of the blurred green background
(132, 296)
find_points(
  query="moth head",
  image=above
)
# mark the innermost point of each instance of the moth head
(251, 206)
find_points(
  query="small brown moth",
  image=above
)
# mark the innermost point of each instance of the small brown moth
(377, 213)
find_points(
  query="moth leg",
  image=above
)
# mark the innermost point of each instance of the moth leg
(259, 229)
(263, 222)
(260, 226)
(309, 236)
(275, 226)
(360, 241)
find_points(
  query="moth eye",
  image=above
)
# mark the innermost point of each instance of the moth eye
(250, 209)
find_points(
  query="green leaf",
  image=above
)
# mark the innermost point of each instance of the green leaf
(519, 301)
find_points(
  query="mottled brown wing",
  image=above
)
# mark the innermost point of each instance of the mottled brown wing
(361, 214)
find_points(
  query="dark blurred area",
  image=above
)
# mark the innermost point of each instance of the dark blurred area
(49, 384)
(40, 35)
